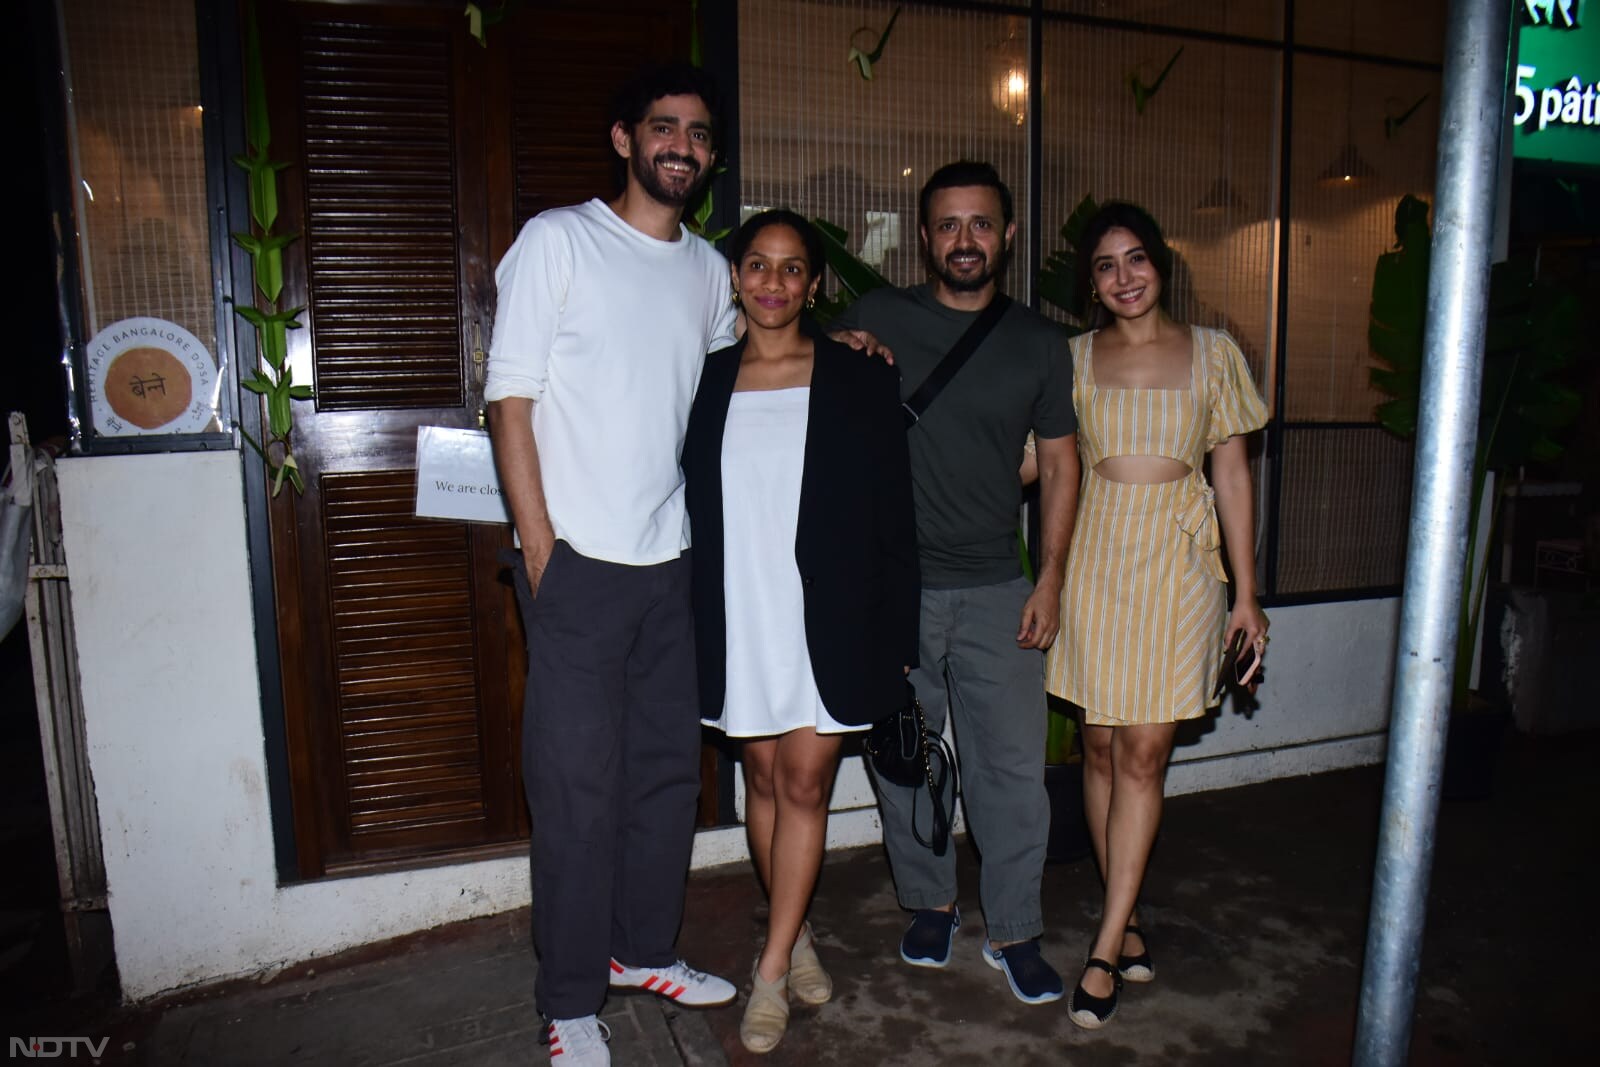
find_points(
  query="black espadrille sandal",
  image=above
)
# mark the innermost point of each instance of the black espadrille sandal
(1138, 968)
(1089, 1011)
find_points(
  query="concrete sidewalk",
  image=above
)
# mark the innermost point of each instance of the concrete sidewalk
(1255, 909)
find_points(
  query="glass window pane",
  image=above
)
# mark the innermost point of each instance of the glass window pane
(138, 158)
(817, 137)
(1201, 158)
(1351, 165)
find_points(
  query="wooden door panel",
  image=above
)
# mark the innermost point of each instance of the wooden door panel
(399, 681)
(405, 663)
(378, 129)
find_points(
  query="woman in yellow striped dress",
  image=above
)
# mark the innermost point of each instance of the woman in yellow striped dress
(1144, 610)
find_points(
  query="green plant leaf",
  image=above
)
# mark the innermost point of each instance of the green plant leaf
(301, 392)
(1058, 281)
(254, 445)
(262, 319)
(1142, 93)
(1060, 733)
(268, 267)
(294, 473)
(266, 254)
(865, 61)
(267, 263)
(1410, 214)
(704, 208)
(1398, 312)
(854, 274)
(1072, 229)
(264, 196)
(279, 418)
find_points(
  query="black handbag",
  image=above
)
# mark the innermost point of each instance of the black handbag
(903, 752)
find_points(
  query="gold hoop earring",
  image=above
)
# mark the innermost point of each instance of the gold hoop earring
(1094, 295)
(811, 301)
(736, 298)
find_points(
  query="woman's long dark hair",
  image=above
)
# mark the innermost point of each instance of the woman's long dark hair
(1112, 215)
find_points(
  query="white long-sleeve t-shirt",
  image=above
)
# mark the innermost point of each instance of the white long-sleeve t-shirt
(606, 329)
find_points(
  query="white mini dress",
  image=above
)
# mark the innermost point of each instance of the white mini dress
(771, 689)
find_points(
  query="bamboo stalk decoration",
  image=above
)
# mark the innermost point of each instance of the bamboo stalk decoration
(272, 378)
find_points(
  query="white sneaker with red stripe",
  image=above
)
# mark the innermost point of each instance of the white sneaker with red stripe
(578, 1042)
(677, 982)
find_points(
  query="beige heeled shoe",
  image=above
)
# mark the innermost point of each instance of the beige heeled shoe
(766, 1014)
(808, 982)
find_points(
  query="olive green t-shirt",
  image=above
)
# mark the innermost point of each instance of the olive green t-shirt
(966, 450)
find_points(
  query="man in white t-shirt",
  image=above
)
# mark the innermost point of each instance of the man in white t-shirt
(606, 312)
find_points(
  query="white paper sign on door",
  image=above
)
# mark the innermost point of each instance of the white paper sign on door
(456, 478)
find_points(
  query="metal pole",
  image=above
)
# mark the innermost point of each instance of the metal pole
(1473, 115)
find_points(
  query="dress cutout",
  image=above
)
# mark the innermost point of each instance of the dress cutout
(770, 688)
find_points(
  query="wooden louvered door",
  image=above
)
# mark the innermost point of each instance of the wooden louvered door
(397, 639)
(415, 154)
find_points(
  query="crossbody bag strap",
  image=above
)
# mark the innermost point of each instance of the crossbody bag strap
(955, 359)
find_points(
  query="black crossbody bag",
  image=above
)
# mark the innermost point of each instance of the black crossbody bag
(955, 359)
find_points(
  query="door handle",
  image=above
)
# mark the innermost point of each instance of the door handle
(480, 361)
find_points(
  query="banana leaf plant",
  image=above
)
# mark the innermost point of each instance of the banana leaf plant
(1530, 339)
(855, 276)
(272, 379)
(1058, 281)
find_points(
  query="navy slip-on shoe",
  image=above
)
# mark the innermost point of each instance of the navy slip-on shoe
(1032, 979)
(926, 942)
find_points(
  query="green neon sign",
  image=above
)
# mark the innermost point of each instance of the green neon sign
(1557, 102)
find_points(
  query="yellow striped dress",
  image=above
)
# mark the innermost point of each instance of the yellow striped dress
(1143, 608)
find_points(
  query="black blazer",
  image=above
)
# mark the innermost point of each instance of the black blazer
(855, 545)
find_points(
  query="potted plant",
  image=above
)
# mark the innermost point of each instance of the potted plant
(1530, 338)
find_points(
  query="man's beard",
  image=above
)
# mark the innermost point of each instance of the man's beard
(650, 180)
(972, 283)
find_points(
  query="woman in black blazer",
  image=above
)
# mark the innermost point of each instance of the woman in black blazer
(806, 589)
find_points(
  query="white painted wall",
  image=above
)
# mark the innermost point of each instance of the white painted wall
(161, 598)
(1324, 705)
(166, 645)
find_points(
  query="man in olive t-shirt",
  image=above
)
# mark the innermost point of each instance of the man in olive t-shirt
(983, 625)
